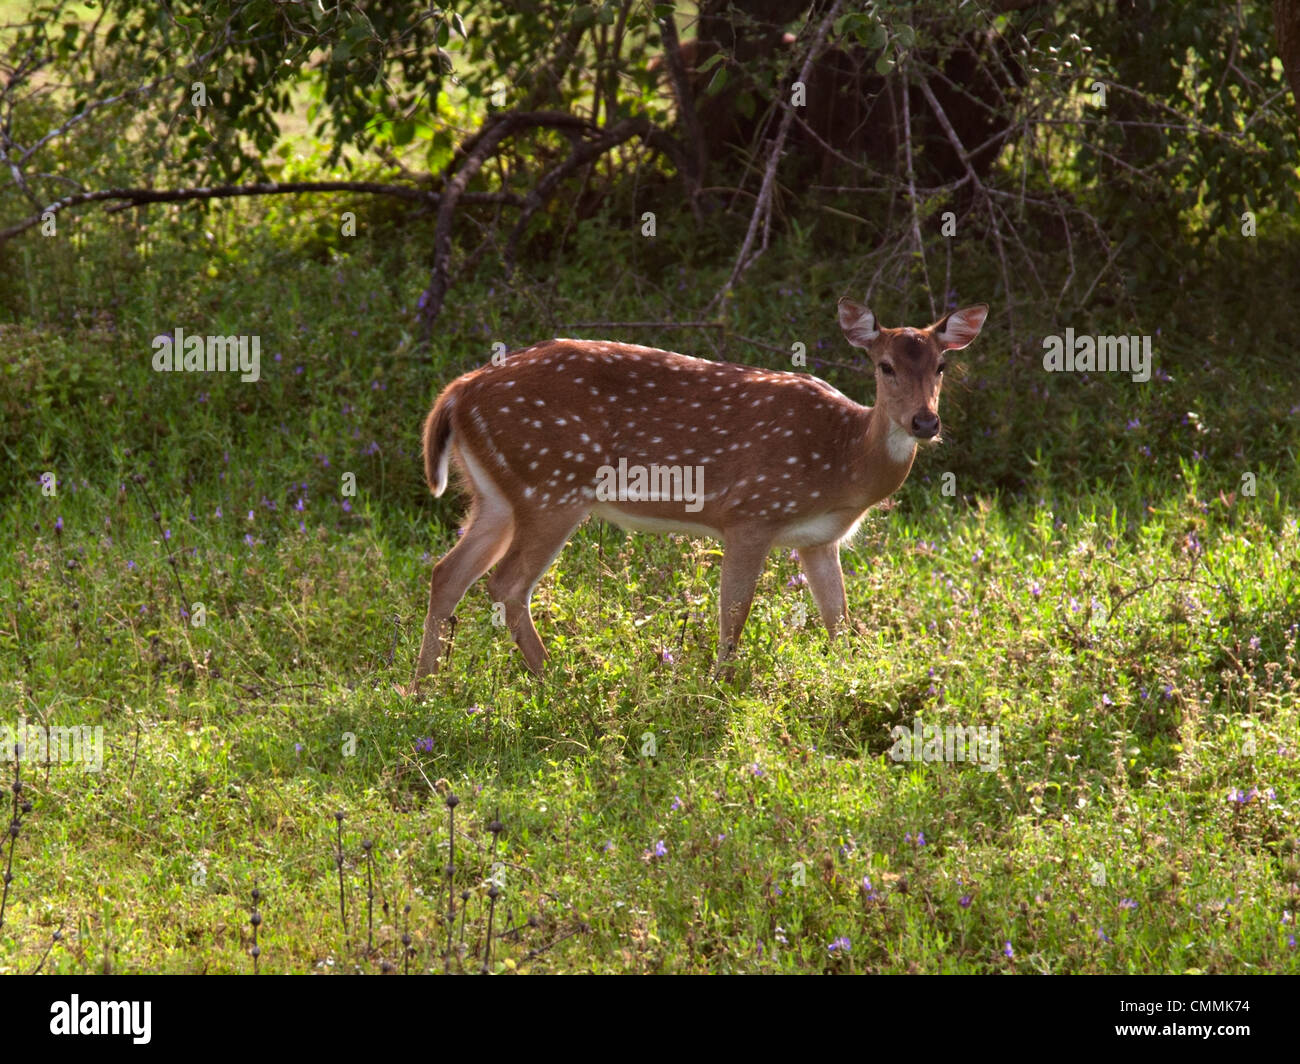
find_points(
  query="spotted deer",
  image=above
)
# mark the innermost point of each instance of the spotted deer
(656, 441)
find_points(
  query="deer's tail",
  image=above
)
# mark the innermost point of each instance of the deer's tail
(437, 440)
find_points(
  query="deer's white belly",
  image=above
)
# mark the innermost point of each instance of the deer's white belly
(814, 531)
(636, 522)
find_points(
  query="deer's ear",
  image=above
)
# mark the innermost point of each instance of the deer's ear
(961, 326)
(858, 323)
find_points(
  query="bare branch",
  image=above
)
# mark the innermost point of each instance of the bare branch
(911, 189)
(686, 113)
(135, 197)
(581, 155)
(762, 212)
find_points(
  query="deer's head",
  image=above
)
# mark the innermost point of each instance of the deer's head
(909, 363)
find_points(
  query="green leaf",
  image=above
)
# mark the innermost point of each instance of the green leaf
(884, 65)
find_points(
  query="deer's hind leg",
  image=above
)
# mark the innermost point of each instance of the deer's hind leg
(539, 536)
(488, 535)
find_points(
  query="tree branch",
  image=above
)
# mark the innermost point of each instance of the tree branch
(134, 197)
(762, 212)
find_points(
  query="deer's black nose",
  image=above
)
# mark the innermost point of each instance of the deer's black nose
(925, 426)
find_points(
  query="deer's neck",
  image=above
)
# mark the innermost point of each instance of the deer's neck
(886, 457)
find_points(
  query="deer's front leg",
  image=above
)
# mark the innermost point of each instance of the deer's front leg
(742, 565)
(821, 565)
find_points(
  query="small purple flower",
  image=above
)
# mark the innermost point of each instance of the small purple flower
(347, 506)
(58, 526)
(425, 746)
(1127, 903)
(666, 656)
(300, 506)
(659, 850)
(1008, 951)
(964, 901)
(1102, 935)
(677, 804)
(756, 770)
(840, 945)
(609, 846)
(1036, 589)
(218, 513)
(297, 748)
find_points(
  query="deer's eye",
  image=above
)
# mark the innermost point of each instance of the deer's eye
(886, 369)
(942, 367)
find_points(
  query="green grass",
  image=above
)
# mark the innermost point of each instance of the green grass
(1106, 594)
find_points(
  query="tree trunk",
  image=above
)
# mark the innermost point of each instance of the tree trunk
(1286, 20)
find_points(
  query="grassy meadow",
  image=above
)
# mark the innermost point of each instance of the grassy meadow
(229, 579)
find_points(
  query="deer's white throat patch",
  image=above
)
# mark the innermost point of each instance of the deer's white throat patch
(899, 443)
